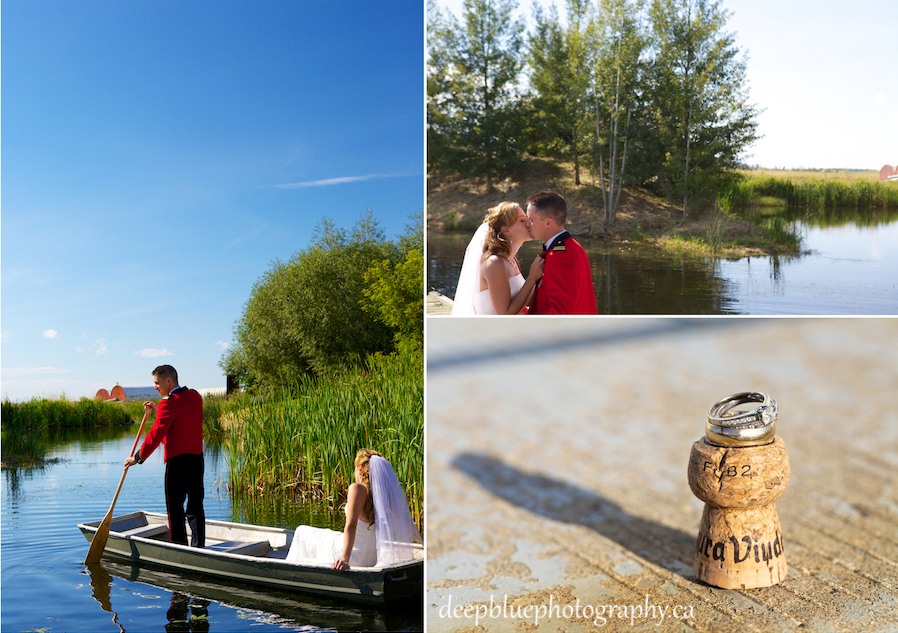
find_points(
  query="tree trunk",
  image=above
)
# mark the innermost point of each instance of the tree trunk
(686, 173)
(605, 200)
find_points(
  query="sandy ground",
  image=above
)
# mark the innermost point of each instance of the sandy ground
(556, 472)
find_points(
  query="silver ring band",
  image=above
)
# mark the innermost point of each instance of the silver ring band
(721, 412)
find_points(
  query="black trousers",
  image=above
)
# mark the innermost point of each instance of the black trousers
(184, 480)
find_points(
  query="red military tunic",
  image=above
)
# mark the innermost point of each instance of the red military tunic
(566, 286)
(179, 425)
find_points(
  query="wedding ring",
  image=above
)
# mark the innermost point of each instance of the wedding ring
(740, 435)
(721, 413)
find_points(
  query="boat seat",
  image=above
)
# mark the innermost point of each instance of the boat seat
(146, 531)
(247, 548)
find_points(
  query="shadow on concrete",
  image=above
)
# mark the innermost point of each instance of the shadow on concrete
(604, 336)
(560, 501)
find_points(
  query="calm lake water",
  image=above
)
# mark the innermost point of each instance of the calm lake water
(46, 587)
(849, 267)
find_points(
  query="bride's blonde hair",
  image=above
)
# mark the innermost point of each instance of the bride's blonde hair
(362, 459)
(499, 218)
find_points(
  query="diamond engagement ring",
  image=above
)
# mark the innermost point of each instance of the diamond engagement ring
(721, 413)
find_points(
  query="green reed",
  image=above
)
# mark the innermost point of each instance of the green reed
(812, 192)
(304, 439)
(26, 426)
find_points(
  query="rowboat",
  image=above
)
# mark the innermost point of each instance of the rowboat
(257, 555)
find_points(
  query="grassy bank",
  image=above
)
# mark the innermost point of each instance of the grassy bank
(303, 441)
(812, 190)
(711, 229)
(300, 441)
(26, 426)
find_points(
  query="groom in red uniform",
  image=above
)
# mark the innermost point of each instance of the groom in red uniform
(566, 286)
(179, 427)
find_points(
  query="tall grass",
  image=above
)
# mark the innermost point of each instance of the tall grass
(27, 425)
(305, 439)
(813, 192)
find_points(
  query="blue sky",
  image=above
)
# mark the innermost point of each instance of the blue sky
(159, 155)
(824, 73)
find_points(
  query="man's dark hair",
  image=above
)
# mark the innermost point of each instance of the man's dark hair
(166, 371)
(551, 204)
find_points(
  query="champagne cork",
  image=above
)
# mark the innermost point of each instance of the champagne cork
(739, 469)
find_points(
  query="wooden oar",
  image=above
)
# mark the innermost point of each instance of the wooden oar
(98, 543)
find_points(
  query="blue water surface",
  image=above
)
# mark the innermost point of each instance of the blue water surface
(46, 588)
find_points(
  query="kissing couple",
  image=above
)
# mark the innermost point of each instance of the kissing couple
(559, 280)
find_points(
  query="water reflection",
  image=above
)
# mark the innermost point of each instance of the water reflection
(193, 594)
(844, 216)
(850, 267)
(628, 278)
(43, 552)
(101, 589)
(285, 510)
(187, 613)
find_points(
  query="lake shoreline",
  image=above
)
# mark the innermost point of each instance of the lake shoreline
(753, 216)
(460, 205)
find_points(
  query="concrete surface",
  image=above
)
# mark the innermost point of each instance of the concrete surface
(556, 472)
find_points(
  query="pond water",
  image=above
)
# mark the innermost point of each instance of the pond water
(847, 267)
(47, 588)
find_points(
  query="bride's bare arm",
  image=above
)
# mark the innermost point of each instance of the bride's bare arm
(355, 502)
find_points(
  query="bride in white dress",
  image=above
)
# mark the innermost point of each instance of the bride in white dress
(379, 529)
(491, 281)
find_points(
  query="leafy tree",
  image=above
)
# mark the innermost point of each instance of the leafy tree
(307, 315)
(560, 62)
(473, 106)
(396, 290)
(699, 97)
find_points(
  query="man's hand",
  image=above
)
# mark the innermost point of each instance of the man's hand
(149, 405)
(130, 462)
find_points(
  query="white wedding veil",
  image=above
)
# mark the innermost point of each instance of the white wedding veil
(395, 530)
(469, 278)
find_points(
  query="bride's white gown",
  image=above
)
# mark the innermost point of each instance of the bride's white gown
(484, 305)
(323, 546)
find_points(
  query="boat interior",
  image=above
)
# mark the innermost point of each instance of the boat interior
(220, 537)
(233, 538)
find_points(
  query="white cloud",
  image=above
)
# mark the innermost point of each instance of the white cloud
(880, 100)
(153, 353)
(223, 345)
(99, 347)
(50, 333)
(245, 237)
(4, 336)
(326, 182)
